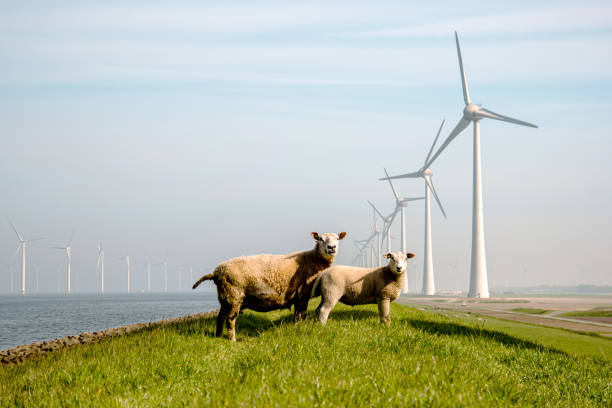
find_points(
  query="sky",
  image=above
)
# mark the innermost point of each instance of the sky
(194, 132)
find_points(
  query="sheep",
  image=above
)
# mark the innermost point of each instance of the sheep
(358, 286)
(269, 282)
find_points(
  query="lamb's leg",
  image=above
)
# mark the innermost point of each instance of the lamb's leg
(233, 315)
(328, 301)
(222, 317)
(383, 311)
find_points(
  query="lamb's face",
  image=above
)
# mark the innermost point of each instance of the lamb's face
(327, 244)
(398, 261)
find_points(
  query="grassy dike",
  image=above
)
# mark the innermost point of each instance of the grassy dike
(422, 359)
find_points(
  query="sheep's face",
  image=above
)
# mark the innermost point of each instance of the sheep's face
(327, 244)
(398, 261)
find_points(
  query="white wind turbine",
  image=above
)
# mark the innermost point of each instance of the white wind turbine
(473, 113)
(22, 246)
(387, 221)
(100, 265)
(165, 269)
(400, 205)
(127, 262)
(68, 260)
(148, 267)
(426, 174)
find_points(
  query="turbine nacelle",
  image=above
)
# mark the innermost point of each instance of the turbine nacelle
(471, 112)
(427, 172)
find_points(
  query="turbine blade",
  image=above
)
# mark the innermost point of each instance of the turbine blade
(98, 265)
(58, 248)
(70, 240)
(35, 239)
(490, 114)
(466, 94)
(412, 198)
(376, 209)
(431, 187)
(463, 123)
(15, 229)
(415, 174)
(433, 144)
(17, 250)
(391, 184)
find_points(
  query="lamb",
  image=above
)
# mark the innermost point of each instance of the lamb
(358, 286)
(269, 282)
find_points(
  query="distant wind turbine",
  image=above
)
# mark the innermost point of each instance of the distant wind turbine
(473, 113)
(148, 267)
(68, 261)
(165, 270)
(22, 246)
(100, 266)
(426, 174)
(387, 221)
(400, 204)
(127, 262)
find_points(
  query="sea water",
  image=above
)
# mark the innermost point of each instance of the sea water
(31, 318)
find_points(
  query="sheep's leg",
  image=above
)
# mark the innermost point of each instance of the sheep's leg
(383, 311)
(299, 310)
(222, 317)
(233, 315)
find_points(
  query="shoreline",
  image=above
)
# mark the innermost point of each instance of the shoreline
(26, 352)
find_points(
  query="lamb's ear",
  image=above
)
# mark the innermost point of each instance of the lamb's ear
(388, 255)
(409, 255)
(341, 235)
(316, 236)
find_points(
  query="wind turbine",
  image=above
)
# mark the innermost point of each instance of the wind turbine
(100, 265)
(400, 205)
(426, 174)
(22, 246)
(12, 269)
(165, 269)
(127, 262)
(67, 249)
(387, 221)
(148, 267)
(474, 113)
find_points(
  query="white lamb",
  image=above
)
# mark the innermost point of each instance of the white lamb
(358, 286)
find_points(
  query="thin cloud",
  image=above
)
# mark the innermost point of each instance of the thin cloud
(564, 19)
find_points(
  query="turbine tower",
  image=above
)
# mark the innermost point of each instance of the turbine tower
(479, 286)
(22, 246)
(100, 265)
(148, 267)
(127, 262)
(400, 205)
(68, 262)
(165, 269)
(426, 174)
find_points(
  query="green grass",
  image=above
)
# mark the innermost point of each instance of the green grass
(599, 312)
(531, 310)
(570, 342)
(422, 359)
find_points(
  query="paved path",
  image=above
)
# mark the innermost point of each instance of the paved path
(500, 309)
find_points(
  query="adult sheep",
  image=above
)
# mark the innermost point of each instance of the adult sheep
(269, 282)
(359, 286)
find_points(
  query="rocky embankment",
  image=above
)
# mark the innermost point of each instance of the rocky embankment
(26, 352)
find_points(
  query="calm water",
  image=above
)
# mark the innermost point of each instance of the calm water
(33, 318)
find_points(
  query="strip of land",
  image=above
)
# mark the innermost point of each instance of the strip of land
(26, 352)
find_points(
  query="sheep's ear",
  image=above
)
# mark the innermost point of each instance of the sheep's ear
(341, 235)
(388, 255)
(409, 255)
(316, 236)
